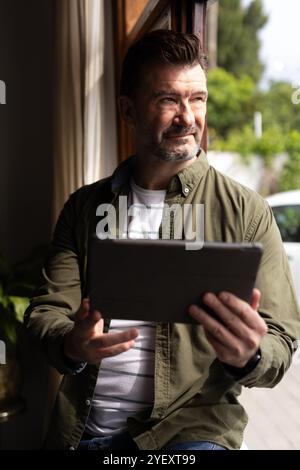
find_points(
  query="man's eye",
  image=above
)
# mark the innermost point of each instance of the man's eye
(199, 98)
(167, 100)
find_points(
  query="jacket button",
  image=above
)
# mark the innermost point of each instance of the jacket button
(186, 190)
(88, 402)
(71, 448)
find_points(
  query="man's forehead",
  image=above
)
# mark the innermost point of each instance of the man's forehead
(167, 89)
(173, 76)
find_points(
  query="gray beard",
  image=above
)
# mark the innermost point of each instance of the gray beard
(176, 155)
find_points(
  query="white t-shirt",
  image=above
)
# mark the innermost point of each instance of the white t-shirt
(125, 383)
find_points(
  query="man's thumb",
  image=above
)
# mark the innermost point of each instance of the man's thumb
(92, 319)
(84, 310)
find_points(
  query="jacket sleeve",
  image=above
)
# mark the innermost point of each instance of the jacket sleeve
(278, 305)
(50, 314)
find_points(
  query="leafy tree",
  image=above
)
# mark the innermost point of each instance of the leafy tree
(277, 107)
(238, 42)
(234, 97)
(230, 103)
(269, 145)
(246, 144)
(290, 177)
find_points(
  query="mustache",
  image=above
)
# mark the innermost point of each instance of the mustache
(179, 131)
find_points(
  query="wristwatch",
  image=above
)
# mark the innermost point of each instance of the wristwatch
(239, 372)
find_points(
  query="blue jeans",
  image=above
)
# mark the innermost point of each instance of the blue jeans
(124, 441)
(195, 445)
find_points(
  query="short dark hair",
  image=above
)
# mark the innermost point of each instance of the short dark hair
(159, 46)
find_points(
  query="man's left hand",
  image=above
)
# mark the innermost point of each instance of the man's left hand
(238, 337)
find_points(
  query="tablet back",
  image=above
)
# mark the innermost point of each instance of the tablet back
(157, 280)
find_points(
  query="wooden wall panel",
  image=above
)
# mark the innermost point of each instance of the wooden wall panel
(133, 10)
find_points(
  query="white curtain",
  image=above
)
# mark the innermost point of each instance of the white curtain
(85, 147)
(93, 73)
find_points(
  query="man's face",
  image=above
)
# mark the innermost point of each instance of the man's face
(169, 112)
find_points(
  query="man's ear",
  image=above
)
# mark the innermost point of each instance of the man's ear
(127, 110)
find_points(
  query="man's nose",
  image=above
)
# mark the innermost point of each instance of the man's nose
(185, 116)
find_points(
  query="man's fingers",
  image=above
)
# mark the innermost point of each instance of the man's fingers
(224, 354)
(244, 311)
(111, 344)
(237, 338)
(229, 319)
(117, 349)
(111, 339)
(228, 347)
(256, 295)
(214, 327)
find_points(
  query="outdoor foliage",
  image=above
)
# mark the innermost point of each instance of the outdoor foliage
(231, 104)
(238, 42)
(290, 177)
(278, 109)
(234, 97)
(244, 142)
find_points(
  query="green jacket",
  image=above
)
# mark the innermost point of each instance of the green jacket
(195, 398)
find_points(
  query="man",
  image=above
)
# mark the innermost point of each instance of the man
(172, 386)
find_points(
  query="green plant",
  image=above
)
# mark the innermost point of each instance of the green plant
(17, 284)
(12, 306)
(11, 311)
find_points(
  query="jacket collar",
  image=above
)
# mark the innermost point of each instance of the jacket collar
(183, 182)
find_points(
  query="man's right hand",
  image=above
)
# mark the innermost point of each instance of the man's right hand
(86, 342)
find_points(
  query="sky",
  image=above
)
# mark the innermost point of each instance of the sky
(280, 41)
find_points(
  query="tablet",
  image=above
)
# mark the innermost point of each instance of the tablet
(157, 280)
